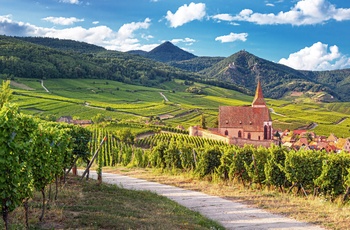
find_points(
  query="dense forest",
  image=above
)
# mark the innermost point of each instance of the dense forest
(28, 60)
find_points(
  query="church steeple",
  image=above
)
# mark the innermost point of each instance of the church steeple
(259, 98)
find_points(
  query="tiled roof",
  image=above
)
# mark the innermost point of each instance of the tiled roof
(245, 117)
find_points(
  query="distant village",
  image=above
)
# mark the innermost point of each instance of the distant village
(304, 139)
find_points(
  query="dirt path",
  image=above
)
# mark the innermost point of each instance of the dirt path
(230, 214)
(165, 98)
(42, 85)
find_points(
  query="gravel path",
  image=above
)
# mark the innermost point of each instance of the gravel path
(232, 215)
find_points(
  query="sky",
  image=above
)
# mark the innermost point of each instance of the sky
(303, 34)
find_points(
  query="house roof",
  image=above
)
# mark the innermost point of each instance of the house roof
(299, 131)
(245, 117)
(259, 97)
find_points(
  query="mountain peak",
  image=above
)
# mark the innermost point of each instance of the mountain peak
(167, 52)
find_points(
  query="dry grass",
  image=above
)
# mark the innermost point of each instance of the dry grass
(87, 205)
(309, 209)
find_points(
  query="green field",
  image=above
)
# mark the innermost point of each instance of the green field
(85, 98)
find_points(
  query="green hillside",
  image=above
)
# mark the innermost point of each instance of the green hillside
(25, 59)
(85, 98)
(278, 80)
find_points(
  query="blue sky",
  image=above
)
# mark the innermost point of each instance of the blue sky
(303, 34)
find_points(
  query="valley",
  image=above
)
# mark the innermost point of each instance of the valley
(85, 98)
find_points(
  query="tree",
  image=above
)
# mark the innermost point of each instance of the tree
(203, 122)
(126, 136)
(98, 118)
(6, 93)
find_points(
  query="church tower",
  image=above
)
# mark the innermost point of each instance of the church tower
(258, 101)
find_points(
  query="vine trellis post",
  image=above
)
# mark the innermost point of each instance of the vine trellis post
(92, 160)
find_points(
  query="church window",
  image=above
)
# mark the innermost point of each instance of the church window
(226, 132)
(265, 132)
(239, 134)
(249, 136)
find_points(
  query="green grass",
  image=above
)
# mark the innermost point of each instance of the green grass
(87, 205)
(131, 102)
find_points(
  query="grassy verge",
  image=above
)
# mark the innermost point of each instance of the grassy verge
(86, 205)
(308, 209)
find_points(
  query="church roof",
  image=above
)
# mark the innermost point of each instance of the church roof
(259, 97)
(246, 117)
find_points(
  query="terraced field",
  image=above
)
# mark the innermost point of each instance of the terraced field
(85, 98)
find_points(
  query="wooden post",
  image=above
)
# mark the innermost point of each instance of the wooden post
(346, 194)
(93, 158)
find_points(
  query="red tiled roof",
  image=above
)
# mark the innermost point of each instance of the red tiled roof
(245, 117)
(299, 131)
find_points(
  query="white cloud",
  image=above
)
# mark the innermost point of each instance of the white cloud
(304, 12)
(146, 37)
(317, 57)
(122, 40)
(185, 14)
(127, 30)
(270, 4)
(70, 1)
(62, 20)
(187, 41)
(232, 37)
(95, 22)
(223, 17)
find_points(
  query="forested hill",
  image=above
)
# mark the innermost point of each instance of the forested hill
(55, 58)
(166, 52)
(19, 58)
(243, 69)
(63, 44)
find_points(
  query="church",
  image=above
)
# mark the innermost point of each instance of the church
(240, 125)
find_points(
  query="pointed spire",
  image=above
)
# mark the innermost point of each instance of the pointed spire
(259, 97)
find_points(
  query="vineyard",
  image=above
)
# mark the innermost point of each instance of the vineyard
(85, 98)
(41, 153)
(304, 172)
(33, 154)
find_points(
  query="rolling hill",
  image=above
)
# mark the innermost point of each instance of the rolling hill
(244, 68)
(46, 58)
(53, 58)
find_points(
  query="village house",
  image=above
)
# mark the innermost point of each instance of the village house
(240, 125)
(70, 120)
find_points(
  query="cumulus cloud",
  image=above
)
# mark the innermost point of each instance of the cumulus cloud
(62, 20)
(70, 1)
(187, 41)
(122, 40)
(185, 14)
(223, 17)
(232, 37)
(304, 12)
(317, 57)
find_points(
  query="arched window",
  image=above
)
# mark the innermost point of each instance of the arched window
(265, 132)
(226, 132)
(239, 133)
(249, 136)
